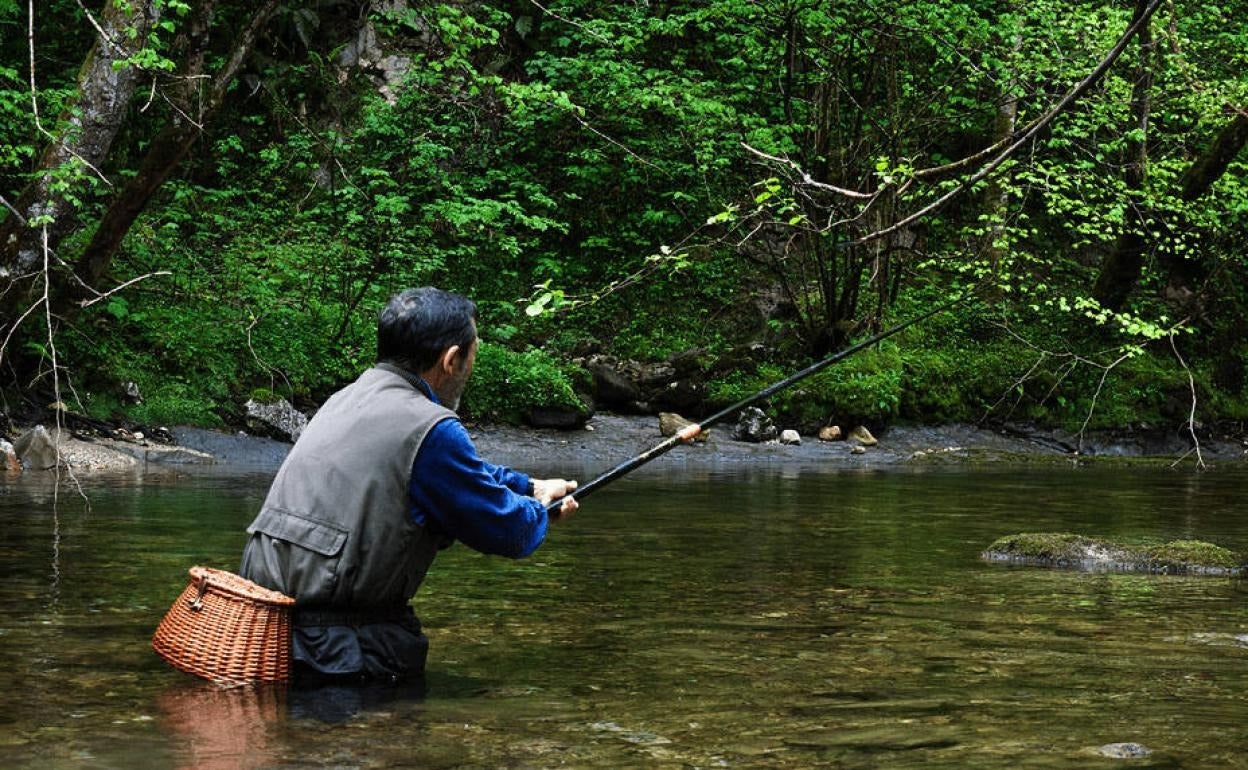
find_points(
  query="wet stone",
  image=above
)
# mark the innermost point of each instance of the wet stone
(1124, 750)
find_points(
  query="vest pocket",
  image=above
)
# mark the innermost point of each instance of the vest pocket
(303, 554)
(316, 536)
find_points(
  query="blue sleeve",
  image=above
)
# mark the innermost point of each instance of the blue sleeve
(512, 479)
(480, 504)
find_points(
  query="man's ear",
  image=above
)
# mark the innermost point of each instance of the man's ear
(449, 359)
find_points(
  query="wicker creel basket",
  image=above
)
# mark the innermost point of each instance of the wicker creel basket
(227, 629)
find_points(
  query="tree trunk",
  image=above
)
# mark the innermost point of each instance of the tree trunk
(1121, 270)
(86, 133)
(174, 141)
(996, 198)
(1184, 275)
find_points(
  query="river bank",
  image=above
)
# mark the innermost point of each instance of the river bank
(612, 438)
(608, 439)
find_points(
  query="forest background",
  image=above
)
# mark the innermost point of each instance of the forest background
(212, 199)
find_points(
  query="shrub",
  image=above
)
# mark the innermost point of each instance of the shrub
(505, 383)
(865, 388)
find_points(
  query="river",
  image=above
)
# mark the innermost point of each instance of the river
(686, 617)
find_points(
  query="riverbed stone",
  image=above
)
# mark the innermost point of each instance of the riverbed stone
(1124, 750)
(612, 389)
(754, 426)
(557, 417)
(671, 423)
(9, 462)
(790, 436)
(37, 449)
(863, 436)
(831, 433)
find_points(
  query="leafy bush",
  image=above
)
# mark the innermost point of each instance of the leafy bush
(865, 388)
(505, 384)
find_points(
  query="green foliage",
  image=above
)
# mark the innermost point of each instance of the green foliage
(505, 384)
(584, 175)
(865, 388)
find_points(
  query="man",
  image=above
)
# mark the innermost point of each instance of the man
(382, 478)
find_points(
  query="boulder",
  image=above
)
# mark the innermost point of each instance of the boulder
(37, 449)
(688, 363)
(557, 417)
(790, 437)
(130, 393)
(278, 418)
(858, 450)
(612, 389)
(678, 395)
(830, 433)
(677, 384)
(671, 423)
(9, 462)
(754, 426)
(863, 436)
(1065, 549)
(654, 375)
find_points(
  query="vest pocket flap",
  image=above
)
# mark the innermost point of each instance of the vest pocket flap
(325, 539)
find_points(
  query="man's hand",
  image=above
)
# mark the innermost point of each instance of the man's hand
(549, 490)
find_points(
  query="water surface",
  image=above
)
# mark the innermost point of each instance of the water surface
(685, 618)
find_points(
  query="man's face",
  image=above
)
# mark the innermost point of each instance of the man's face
(452, 388)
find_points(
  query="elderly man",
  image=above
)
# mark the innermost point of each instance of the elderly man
(384, 477)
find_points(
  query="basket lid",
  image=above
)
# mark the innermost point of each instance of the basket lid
(236, 585)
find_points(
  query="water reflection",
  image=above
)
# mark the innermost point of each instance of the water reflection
(215, 728)
(728, 617)
(335, 703)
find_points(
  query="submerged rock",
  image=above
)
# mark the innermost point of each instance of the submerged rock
(1063, 549)
(1124, 750)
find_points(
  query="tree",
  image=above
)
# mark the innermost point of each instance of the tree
(49, 208)
(193, 105)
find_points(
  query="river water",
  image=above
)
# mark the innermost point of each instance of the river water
(684, 618)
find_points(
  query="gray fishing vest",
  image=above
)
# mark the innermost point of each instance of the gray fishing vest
(335, 530)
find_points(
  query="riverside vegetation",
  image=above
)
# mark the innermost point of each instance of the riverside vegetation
(211, 199)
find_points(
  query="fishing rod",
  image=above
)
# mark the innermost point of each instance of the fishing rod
(689, 432)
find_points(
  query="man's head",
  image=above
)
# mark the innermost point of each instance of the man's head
(432, 333)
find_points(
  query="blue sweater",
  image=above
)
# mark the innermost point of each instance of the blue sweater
(485, 506)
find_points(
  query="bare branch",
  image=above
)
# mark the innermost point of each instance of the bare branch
(12, 209)
(1191, 415)
(1099, 387)
(1024, 136)
(807, 179)
(119, 287)
(107, 38)
(576, 24)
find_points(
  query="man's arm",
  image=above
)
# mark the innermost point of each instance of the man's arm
(472, 500)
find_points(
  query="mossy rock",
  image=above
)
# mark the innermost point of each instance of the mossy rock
(1064, 549)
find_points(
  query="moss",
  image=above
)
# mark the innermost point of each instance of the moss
(1066, 549)
(1049, 546)
(1193, 553)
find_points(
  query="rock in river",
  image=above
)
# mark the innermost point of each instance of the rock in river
(1063, 549)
